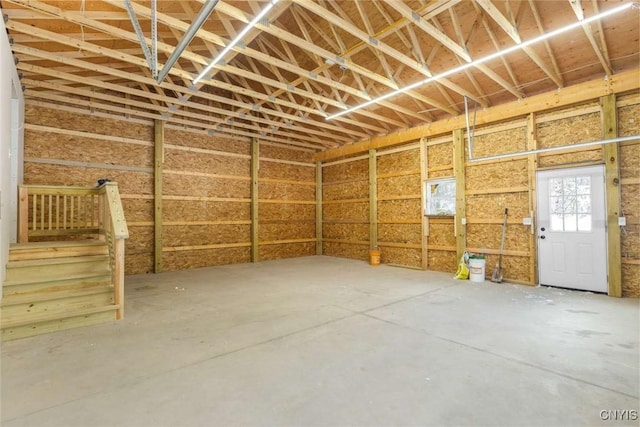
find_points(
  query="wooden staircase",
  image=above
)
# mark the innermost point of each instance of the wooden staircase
(56, 285)
(52, 286)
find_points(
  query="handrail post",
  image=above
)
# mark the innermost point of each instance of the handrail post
(118, 276)
(23, 214)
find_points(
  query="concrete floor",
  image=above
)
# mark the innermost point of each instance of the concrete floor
(325, 342)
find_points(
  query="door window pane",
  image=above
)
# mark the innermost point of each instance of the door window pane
(570, 203)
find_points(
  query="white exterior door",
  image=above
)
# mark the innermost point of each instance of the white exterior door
(572, 238)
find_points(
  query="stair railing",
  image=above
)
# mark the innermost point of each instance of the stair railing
(82, 212)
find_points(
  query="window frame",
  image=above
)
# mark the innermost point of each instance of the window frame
(428, 196)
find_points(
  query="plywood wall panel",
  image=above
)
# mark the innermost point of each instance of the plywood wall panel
(400, 233)
(396, 162)
(408, 185)
(285, 191)
(207, 163)
(631, 241)
(343, 250)
(630, 160)
(488, 236)
(442, 261)
(182, 260)
(441, 234)
(288, 172)
(440, 155)
(401, 256)
(209, 142)
(346, 171)
(630, 195)
(346, 211)
(270, 212)
(493, 176)
(140, 239)
(187, 185)
(138, 210)
(571, 130)
(583, 156)
(83, 123)
(282, 153)
(346, 190)
(492, 206)
(286, 231)
(51, 145)
(357, 232)
(128, 182)
(210, 234)
(141, 263)
(291, 250)
(629, 120)
(500, 141)
(187, 210)
(631, 280)
(399, 209)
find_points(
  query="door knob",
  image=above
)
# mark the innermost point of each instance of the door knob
(542, 229)
(542, 237)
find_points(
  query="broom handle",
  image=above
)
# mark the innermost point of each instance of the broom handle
(504, 231)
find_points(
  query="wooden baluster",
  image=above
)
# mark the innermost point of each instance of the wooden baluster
(64, 212)
(42, 212)
(23, 215)
(71, 216)
(57, 212)
(50, 212)
(34, 217)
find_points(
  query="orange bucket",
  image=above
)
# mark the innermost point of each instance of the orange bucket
(374, 257)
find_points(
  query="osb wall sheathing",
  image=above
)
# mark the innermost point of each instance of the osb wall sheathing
(578, 127)
(49, 148)
(345, 228)
(200, 173)
(629, 124)
(405, 190)
(287, 191)
(441, 240)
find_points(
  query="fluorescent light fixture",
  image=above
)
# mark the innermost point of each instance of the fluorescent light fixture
(487, 58)
(235, 41)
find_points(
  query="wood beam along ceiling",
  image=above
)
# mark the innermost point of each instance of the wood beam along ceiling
(308, 59)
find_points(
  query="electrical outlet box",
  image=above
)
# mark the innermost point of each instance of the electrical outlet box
(526, 221)
(464, 221)
(622, 221)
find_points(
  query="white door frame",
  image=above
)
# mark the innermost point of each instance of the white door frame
(538, 233)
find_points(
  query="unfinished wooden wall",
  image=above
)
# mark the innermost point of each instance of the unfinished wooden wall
(286, 209)
(206, 184)
(399, 205)
(440, 247)
(629, 124)
(490, 187)
(206, 200)
(63, 147)
(493, 185)
(345, 208)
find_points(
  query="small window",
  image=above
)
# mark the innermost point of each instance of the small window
(570, 203)
(441, 197)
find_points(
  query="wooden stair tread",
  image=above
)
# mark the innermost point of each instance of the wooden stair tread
(46, 317)
(61, 243)
(54, 261)
(24, 298)
(106, 275)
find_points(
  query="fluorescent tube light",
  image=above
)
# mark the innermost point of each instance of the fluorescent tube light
(235, 41)
(487, 58)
